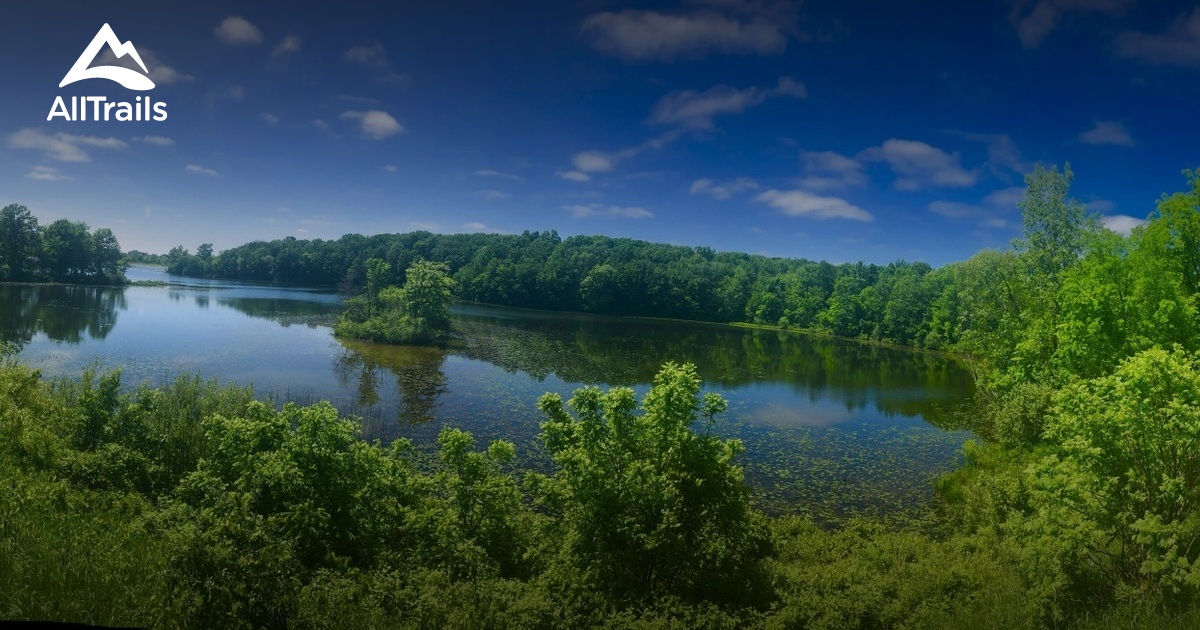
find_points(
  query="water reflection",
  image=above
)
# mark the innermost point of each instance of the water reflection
(417, 371)
(63, 313)
(603, 350)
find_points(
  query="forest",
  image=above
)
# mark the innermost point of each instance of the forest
(63, 251)
(194, 504)
(902, 302)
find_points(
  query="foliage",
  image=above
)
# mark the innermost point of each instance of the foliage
(1120, 491)
(651, 506)
(64, 251)
(418, 313)
(195, 505)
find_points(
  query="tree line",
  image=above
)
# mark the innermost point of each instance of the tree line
(902, 302)
(63, 251)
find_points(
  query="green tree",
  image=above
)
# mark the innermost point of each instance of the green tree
(19, 242)
(1056, 225)
(1117, 502)
(378, 272)
(428, 293)
(1177, 230)
(67, 249)
(650, 503)
(106, 254)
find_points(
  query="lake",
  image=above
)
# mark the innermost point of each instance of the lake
(832, 428)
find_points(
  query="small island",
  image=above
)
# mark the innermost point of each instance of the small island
(416, 314)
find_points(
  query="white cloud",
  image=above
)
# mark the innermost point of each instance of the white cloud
(289, 45)
(635, 35)
(825, 170)
(1035, 20)
(374, 56)
(374, 124)
(237, 31)
(574, 176)
(1121, 223)
(920, 165)
(493, 195)
(47, 174)
(391, 168)
(476, 226)
(158, 141)
(580, 211)
(61, 147)
(592, 162)
(499, 175)
(1107, 132)
(1178, 45)
(269, 118)
(192, 168)
(800, 203)
(697, 110)
(724, 190)
(159, 72)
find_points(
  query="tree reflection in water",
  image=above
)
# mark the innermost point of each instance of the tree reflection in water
(420, 380)
(63, 313)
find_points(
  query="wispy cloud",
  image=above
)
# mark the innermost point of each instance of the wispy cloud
(919, 165)
(158, 141)
(581, 211)
(574, 176)
(1178, 45)
(801, 203)
(1107, 132)
(391, 168)
(61, 147)
(725, 27)
(494, 195)
(1035, 20)
(47, 174)
(696, 110)
(192, 168)
(997, 209)
(1004, 158)
(374, 56)
(499, 175)
(322, 126)
(238, 31)
(723, 190)
(287, 47)
(269, 118)
(828, 170)
(374, 124)
(158, 71)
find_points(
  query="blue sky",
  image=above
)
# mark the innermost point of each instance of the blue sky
(823, 129)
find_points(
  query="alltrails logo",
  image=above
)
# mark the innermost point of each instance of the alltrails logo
(100, 108)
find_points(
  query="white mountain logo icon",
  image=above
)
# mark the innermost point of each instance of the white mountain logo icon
(131, 79)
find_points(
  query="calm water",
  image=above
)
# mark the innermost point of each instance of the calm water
(831, 428)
